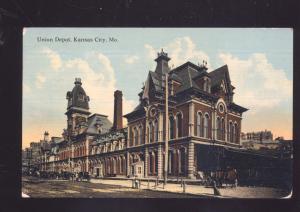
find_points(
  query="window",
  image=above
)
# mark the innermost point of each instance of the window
(131, 136)
(80, 97)
(205, 85)
(218, 128)
(221, 108)
(156, 130)
(150, 132)
(141, 135)
(222, 129)
(206, 117)
(199, 126)
(171, 127)
(179, 125)
(234, 133)
(230, 131)
(208, 86)
(135, 142)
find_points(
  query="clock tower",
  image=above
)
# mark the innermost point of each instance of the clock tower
(77, 109)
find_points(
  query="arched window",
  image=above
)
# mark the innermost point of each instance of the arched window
(205, 85)
(230, 132)
(152, 168)
(151, 132)
(131, 137)
(179, 125)
(135, 136)
(218, 128)
(171, 127)
(234, 133)
(199, 125)
(206, 117)
(141, 135)
(222, 129)
(156, 131)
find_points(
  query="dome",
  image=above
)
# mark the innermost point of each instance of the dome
(77, 97)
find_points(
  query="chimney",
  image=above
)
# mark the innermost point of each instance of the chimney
(118, 111)
(46, 136)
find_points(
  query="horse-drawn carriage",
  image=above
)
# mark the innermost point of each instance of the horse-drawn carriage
(227, 177)
(82, 176)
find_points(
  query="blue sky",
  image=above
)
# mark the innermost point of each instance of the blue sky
(260, 63)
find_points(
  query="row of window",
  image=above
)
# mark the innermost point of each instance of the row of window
(176, 130)
(202, 125)
(109, 147)
(202, 128)
(153, 134)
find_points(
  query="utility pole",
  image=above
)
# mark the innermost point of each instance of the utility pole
(166, 130)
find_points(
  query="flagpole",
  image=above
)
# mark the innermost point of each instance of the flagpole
(166, 130)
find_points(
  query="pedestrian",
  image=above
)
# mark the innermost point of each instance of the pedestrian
(216, 190)
(76, 176)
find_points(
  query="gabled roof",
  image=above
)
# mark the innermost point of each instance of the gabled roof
(219, 75)
(156, 78)
(187, 75)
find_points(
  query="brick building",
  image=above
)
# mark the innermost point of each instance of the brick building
(258, 136)
(201, 114)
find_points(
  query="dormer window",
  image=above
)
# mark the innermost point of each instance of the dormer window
(206, 85)
(80, 97)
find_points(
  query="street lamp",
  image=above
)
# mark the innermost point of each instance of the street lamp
(167, 130)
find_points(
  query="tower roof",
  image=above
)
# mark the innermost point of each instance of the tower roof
(77, 97)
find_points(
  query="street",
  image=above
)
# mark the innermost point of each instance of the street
(112, 188)
(37, 188)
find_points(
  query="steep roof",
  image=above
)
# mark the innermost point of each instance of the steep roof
(102, 120)
(187, 75)
(219, 75)
(77, 98)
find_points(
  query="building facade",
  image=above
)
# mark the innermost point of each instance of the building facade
(201, 115)
(258, 136)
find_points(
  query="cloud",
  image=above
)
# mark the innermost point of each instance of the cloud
(259, 85)
(131, 59)
(55, 59)
(99, 82)
(151, 52)
(40, 79)
(180, 50)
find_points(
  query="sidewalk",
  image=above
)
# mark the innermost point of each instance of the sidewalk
(170, 187)
(238, 192)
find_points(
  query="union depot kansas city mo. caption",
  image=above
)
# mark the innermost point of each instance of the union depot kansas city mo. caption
(203, 121)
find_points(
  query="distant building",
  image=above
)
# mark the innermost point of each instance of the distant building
(263, 140)
(257, 136)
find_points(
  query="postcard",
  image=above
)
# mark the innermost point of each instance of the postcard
(157, 112)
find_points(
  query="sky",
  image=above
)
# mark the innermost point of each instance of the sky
(260, 62)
